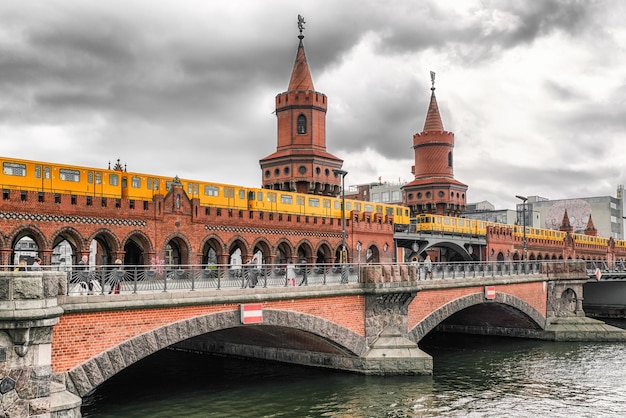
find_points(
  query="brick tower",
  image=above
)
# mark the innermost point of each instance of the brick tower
(434, 189)
(301, 163)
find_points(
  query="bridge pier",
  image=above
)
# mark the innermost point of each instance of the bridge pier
(28, 311)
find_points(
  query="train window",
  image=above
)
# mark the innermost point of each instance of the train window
(38, 171)
(300, 200)
(211, 191)
(286, 199)
(90, 177)
(14, 169)
(242, 194)
(259, 196)
(446, 221)
(98, 178)
(229, 192)
(69, 175)
(314, 202)
(156, 184)
(136, 182)
(168, 185)
(114, 179)
(46, 173)
(149, 183)
(189, 188)
(271, 197)
(379, 209)
(348, 205)
(337, 204)
(357, 206)
(369, 208)
(388, 211)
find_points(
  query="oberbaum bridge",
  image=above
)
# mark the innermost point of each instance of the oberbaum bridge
(64, 334)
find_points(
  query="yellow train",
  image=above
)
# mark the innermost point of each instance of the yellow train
(472, 227)
(116, 183)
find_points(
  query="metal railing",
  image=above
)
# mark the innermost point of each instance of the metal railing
(105, 279)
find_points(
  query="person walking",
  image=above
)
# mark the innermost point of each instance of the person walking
(428, 266)
(36, 266)
(116, 278)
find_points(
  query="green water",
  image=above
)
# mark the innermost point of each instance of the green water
(473, 377)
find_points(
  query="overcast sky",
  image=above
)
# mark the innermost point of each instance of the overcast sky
(534, 91)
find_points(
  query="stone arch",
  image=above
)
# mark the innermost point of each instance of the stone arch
(137, 245)
(323, 253)
(435, 318)
(90, 374)
(74, 238)
(212, 249)
(179, 251)
(31, 232)
(261, 244)
(284, 252)
(304, 250)
(108, 245)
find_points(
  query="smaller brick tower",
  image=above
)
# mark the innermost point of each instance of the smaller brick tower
(301, 163)
(434, 189)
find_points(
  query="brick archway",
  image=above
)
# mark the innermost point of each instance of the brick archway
(90, 374)
(438, 316)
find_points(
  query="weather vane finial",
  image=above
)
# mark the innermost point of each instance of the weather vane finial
(301, 23)
(432, 80)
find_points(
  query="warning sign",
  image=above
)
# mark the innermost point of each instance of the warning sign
(490, 292)
(251, 313)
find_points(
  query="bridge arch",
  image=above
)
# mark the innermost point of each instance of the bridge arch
(90, 374)
(438, 316)
(74, 238)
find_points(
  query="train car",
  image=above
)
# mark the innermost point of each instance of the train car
(59, 178)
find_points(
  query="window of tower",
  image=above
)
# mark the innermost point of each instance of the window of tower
(428, 194)
(326, 172)
(450, 159)
(286, 170)
(276, 172)
(267, 173)
(301, 125)
(419, 195)
(302, 169)
(440, 193)
(317, 171)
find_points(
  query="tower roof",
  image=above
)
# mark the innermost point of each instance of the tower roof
(433, 119)
(301, 75)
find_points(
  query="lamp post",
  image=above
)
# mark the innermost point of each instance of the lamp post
(343, 256)
(523, 199)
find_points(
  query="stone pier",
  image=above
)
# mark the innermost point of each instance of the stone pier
(28, 311)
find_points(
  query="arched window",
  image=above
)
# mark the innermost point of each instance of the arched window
(301, 126)
(450, 159)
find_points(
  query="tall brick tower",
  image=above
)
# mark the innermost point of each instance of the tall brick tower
(434, 189)
(301, 163)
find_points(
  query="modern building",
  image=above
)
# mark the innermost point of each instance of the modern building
(606, 212)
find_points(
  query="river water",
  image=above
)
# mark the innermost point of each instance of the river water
(474, 376)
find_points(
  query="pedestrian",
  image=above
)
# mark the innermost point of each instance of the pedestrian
(36, 266)
(304, 272)
(428, 266)
(291, 275)
(83, 275)
(21, 266)
(116, 278)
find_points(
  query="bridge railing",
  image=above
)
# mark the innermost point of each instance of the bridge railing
(153, 278)
(106, 279)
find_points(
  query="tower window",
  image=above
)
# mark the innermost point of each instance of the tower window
(301, 126)
(450, 159)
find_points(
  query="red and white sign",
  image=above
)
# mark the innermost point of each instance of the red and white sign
(490, 292)
(598, 274)
(251, 313)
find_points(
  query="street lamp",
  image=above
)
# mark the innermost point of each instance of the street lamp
(343, 255)
(523, 199)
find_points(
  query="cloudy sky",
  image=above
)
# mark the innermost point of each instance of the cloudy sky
(533, 90)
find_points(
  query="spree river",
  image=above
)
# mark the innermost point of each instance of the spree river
(473, 377)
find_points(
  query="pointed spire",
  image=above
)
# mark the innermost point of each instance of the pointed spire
(565, 225)
(433, 119)
(591, 229)
(301, 75)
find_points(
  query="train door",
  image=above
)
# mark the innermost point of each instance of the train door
(44, 174)
(271, 200)
(229, 196)
(301, 205)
